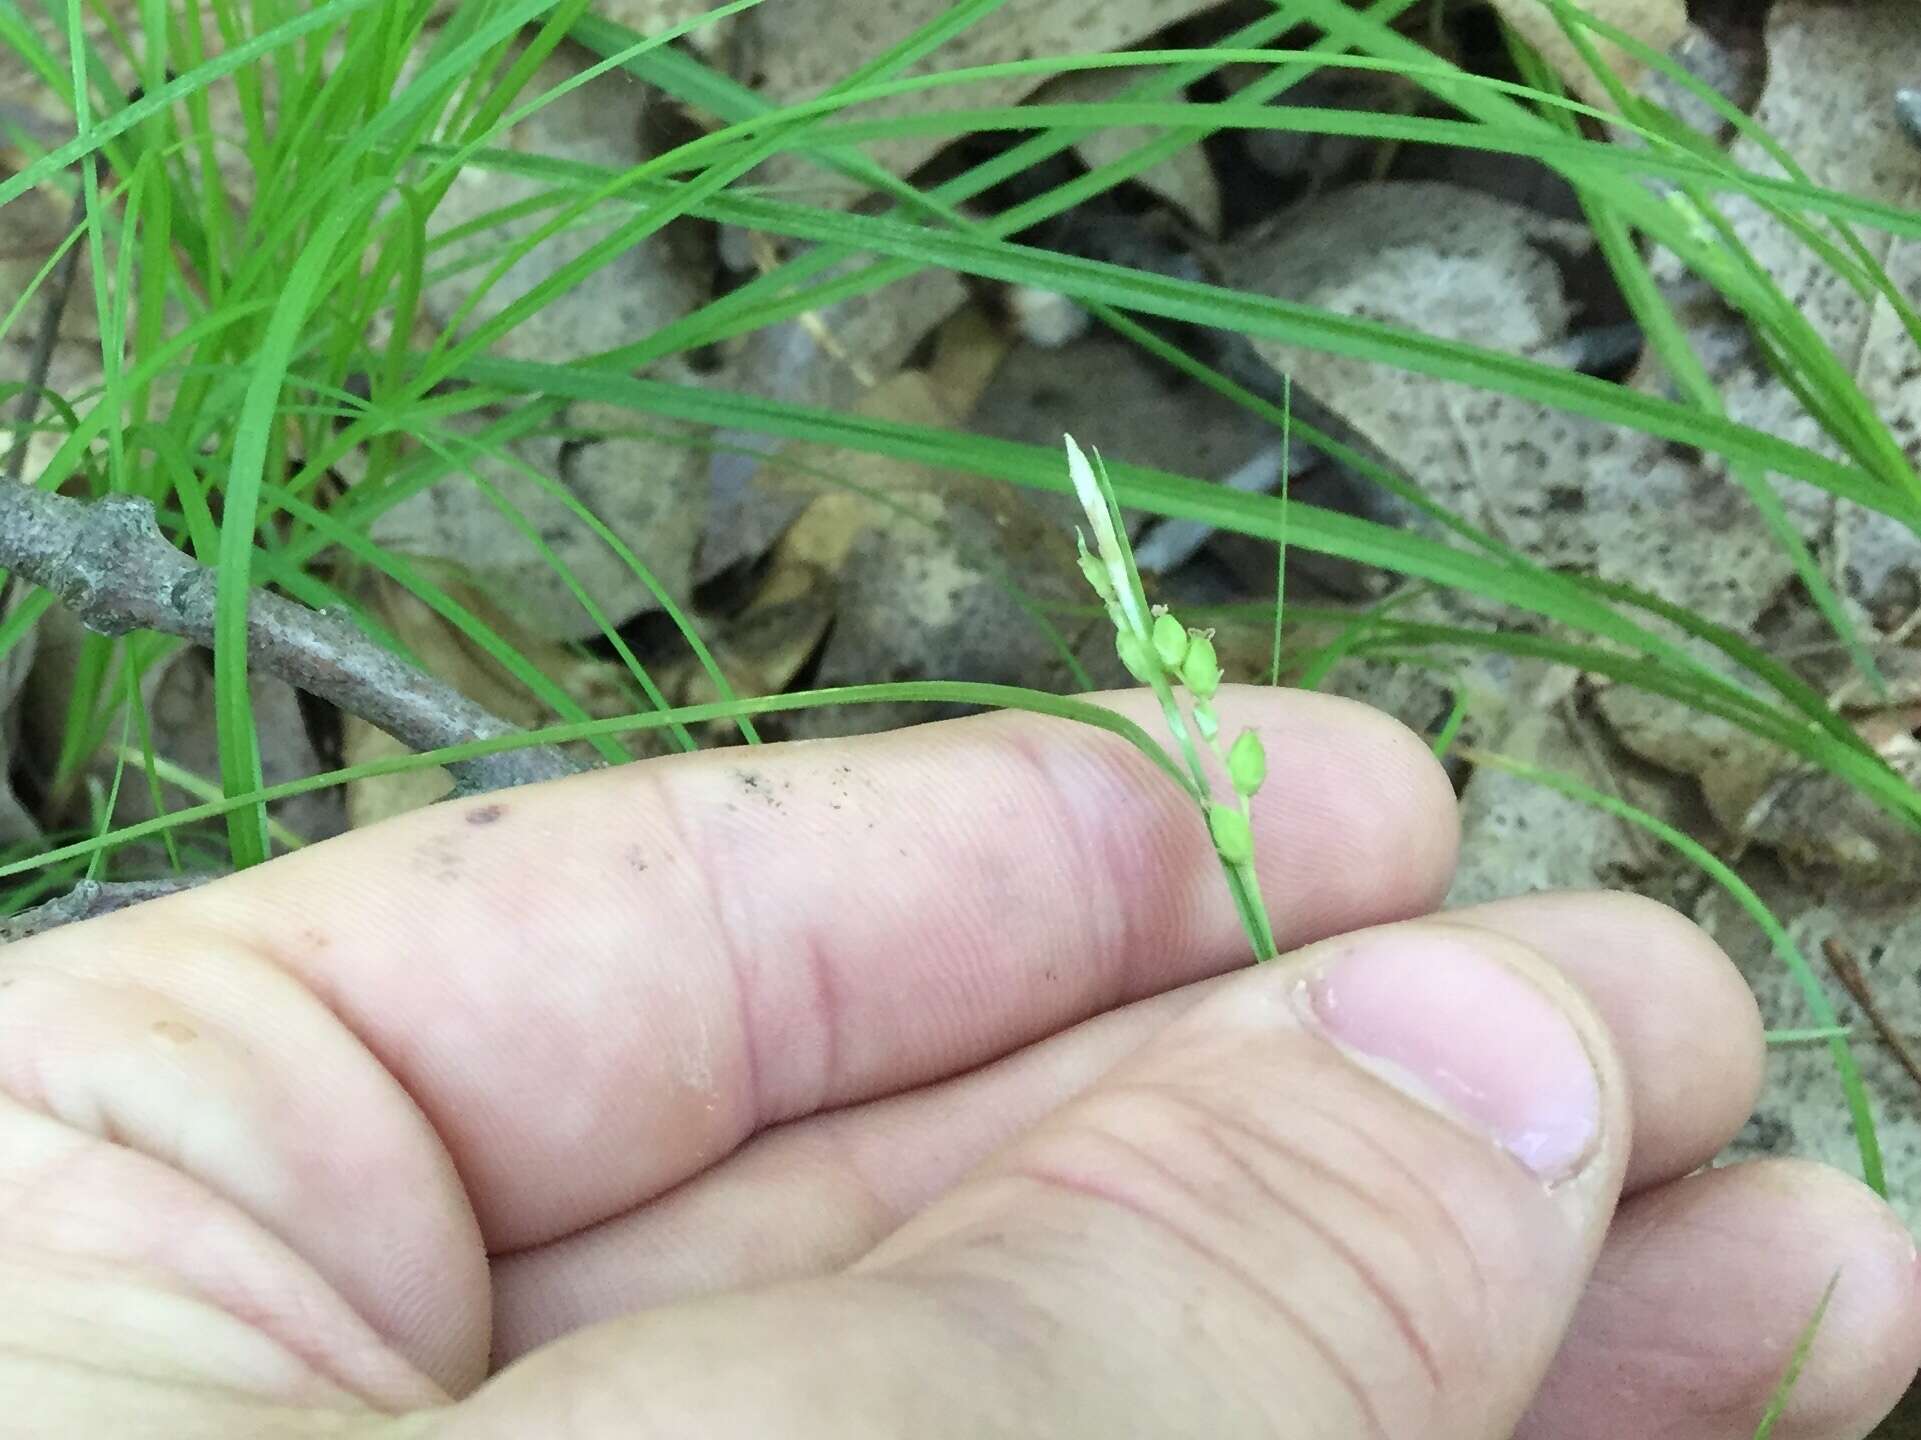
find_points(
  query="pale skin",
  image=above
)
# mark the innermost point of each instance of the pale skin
(907, 1086)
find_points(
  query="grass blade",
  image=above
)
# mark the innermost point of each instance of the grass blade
(254, 429)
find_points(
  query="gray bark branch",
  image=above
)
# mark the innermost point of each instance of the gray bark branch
(91, 898)
(107, 561)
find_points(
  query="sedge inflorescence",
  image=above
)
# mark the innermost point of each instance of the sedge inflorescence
(1179, 664)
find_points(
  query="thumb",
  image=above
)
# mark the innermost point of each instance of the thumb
(1354, 1194)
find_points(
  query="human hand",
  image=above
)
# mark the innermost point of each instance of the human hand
(895, 1087)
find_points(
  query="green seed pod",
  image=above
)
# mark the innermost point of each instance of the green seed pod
(1247, 763)
(1135, 657)
(1095, 572)
(1170, 641)
(1206, 721)
(1200, 670)
(1233, 836)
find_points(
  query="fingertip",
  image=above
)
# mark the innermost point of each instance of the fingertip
(1707, 1288)
(1707, 1012)
(1867, 1349)
(1431, 848)
(1370, 806)
(1680, 1012)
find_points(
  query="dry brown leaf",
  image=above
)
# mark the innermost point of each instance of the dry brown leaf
(1568, 491)
(381, 798)
(1822, 827)
(922, 559)
(651, 17)
(180, 706)
(1461, 264)
(1312, 161)
(646, 488)
(1186, 179)
(803, 47)
(832, 356)
(968, 353)
(1849, 139)
(1521, 837)
(1729, 57)
(650, 285)
(1659, 24)
(764, 648)
(601, 688)
(1699, 540)
(837, 516)
(829, 364)
(32, 227)
(1104, 389)
(1760, 794)
(1734, 769)
(177, 691)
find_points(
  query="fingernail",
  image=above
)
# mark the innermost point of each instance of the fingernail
(1462, 1032)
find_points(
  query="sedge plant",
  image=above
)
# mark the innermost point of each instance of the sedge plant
(1179, 665)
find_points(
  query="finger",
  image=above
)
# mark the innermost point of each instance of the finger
(1681, 1016)
(597, 988)
(1680, 1013)
(177, 1134)
(116, 1266)
(1359, 1198)
(581, 1032)
(1704, 1290)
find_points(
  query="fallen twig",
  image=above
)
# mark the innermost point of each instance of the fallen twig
(1854, 979)
(108, 563)
(91, 898)
(59, 289)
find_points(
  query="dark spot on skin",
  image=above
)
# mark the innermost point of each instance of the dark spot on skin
(175, 1032)
(486, 814)
(440, 858)
(760, 787)
(636, 861)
